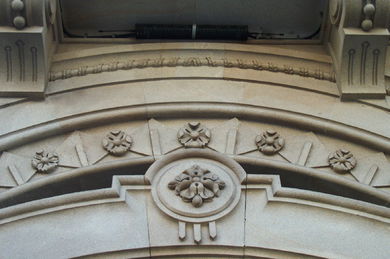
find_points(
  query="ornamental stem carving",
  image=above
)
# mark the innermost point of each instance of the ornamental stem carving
(342, 161)
(269, 142)
(45, 162)
(194, 134)
(117, 142)
(197, 185)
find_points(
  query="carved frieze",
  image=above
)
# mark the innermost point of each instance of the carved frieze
(193, 62)
(232, 137)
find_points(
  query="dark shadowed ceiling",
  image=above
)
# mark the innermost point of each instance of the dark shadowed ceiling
(271, 18)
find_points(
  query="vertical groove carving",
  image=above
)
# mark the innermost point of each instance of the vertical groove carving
(375, 67)
(363, 63)
(8, 62)
(34, 64)
(351, 56)
(20, 45)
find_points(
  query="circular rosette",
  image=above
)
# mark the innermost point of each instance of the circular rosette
(45, 162)
(194, 134)
(117, 143)
(196, 185)
(269, 142)
(342, 161)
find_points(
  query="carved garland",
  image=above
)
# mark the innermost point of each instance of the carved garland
(192, 62)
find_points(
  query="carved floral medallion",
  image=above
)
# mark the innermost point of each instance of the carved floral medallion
(197, 185)
(44, 162)
(194, 134)
(269, 142)
(117, 142)
(342, 161)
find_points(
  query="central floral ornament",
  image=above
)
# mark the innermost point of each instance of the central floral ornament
(194, 134)
(197, 185)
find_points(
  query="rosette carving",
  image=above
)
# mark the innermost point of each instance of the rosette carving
(117, 142)
(269, 142)
(342, 161)
(45, 162)
(194, 134)
(197, 185)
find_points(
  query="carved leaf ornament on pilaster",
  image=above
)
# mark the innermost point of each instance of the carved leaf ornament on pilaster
(194, 135)
(342, 161)
(269, 142)
(117, 142)
(197, 185)
(45, 162)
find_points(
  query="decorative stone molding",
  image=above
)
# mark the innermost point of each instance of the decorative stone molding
(253, 64)
(17, 7)
(197, 185)
(269, 142)
(369, 12)
(194, 134)
(342, 161)
(117, 142)
(45, 162)
(359, 53)
(265, 206)
(226, 174)
(232, 137)
(27, 41)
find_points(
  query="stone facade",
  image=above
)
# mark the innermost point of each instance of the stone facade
(113, 148)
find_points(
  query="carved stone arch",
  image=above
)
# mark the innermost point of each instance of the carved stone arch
(118, 147)
(246, 207)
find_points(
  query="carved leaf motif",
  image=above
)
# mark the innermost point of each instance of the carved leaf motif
(197, 185)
